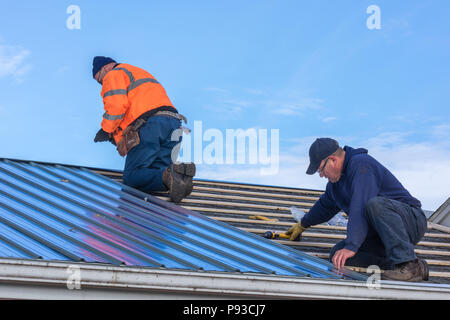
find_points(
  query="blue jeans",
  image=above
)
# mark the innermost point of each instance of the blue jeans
(394, 229)
(145, 163)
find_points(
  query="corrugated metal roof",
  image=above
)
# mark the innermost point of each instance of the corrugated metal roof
(56, 212)
(237, 203)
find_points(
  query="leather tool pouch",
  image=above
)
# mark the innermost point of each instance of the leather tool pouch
(130, 138)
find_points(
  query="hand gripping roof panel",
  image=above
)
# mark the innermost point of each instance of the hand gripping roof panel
(56, 212)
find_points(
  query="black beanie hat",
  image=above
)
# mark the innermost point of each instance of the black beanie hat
(98, 63)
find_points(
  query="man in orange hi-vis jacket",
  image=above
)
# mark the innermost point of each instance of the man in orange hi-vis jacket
(140, 119)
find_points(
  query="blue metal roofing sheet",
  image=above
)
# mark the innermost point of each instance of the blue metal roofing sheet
(55, 212)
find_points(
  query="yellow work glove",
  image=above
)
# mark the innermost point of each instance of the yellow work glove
(295, 231)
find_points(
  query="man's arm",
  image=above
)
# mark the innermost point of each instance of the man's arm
(115, 99)
(322, 211)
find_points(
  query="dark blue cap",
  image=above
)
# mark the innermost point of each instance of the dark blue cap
(319, 150)
(98, 63)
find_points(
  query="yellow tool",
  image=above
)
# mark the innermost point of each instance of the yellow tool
(262, 218)
(273, 235)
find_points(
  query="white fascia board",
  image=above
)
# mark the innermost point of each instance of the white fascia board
(33, 279)
(442, 215)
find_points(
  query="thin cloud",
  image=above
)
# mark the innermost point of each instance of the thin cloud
(422, 168)
(441, 131)
(13, 62)
(229, 108)
(283, 102)
(401, 26)
(62, 70)
(256, 92)
(214, 89)
(295, 106)
(387, 139)
(329, 119)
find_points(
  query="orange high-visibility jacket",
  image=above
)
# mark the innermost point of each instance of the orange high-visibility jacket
(127, 93)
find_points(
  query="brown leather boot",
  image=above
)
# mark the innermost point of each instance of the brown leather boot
(189, 173)
(175, 182)
(411, 271)
(178, 179)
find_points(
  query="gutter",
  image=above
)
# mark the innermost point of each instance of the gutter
(35, 279)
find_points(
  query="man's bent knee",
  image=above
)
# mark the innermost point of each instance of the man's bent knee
(375, 202)
(128, 179)
(375, 205)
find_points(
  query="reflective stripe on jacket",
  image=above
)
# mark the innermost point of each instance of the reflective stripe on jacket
(127, 93)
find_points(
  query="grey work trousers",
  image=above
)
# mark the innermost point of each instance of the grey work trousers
(394, 229)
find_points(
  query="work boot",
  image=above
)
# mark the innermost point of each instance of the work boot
(175, 182)
(178, 179)
(188, 172)
(411, 271)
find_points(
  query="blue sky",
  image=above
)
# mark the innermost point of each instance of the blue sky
(306, 68)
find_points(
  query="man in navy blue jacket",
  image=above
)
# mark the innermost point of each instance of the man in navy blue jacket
(384, 220)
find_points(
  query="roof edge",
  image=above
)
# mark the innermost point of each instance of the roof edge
(62, 164)
(95, 281)
(441, 213)
(196, 179)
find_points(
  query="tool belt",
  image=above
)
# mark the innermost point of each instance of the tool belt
(171, 114)
(130, 137)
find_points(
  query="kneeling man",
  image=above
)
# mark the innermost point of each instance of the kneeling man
(384, 220)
